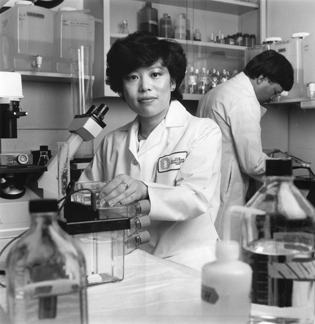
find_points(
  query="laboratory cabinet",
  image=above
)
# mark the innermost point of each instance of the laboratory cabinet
(211, 17)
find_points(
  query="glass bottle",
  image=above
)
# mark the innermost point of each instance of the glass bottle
(180, 29)
(148, 19)
(197, 35)
(46, 273)
(191, 81)
(202, 81)
(166, 26)
(252, 38)
(278, 234)
(124, 27)
(213, 79)
(197, 73)
(223, 76)
(207, 81)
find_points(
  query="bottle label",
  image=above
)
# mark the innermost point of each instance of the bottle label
(209, 294)
(295, 237)
(298, 266)
(153, 22)
(301, 269)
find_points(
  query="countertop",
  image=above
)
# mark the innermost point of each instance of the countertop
(153, 291)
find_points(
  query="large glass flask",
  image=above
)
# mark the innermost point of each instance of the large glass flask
(46, 275)
(278, 243)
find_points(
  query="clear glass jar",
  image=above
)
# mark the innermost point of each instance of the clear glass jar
(278, 234)
(46, 273)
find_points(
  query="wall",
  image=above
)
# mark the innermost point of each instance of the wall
(285, 17)
(50, 113)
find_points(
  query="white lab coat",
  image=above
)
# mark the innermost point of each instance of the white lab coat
(233, 105)
(180, 163)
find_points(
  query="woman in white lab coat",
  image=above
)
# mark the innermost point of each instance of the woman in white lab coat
(165, 154)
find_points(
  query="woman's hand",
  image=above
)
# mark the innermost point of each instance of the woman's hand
(123, 190)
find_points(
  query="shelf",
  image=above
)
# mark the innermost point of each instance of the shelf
(305, 103)
(229, 51)
(231, 7)
(46, 76)
(201, 54)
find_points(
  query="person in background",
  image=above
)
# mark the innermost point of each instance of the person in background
(165, 154)
(235, 106)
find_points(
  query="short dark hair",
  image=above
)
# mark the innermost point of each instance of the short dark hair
(273, 66)
(143, 49)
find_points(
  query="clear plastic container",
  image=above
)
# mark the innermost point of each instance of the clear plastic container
(102, 242)
(84, 196)
(278, 234)
(73, 29)
(102, 233)
(138, 208)
(46, 274)
(26, 38)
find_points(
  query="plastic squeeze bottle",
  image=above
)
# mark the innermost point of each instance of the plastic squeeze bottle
(226, 286)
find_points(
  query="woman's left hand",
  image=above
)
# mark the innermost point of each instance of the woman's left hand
(123, 190)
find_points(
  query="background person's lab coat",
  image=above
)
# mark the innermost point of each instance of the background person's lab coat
(234, 107)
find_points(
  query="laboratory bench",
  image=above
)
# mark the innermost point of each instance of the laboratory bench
(153, 291)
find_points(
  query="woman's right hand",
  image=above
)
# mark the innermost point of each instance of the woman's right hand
(123, 190)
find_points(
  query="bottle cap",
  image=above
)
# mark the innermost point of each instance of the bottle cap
(145, 206)
(227, 250)
(144, 221)
(278, 167)
(43, 205)
(144, 237)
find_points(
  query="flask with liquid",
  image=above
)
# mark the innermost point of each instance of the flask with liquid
(148, 19)
(46, 273)
(226, 285)
(191, 81)
(124, 27)
(278, 234)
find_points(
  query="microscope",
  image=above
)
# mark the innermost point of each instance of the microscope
(11, 163)
(20, 180)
